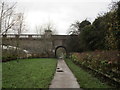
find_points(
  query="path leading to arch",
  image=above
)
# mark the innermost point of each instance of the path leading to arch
(63, 78)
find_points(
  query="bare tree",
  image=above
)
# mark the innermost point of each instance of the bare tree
(49, 30)
(18, 29)
(46, 30)
(7, 20)
(39, 30)
(50, 26)
(10, 21)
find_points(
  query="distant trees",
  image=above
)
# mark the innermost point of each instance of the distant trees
(46, 30)
(50, 26)
(77, 27)
(40, 29)
(75, 31)
(102, 34)
(49, 30)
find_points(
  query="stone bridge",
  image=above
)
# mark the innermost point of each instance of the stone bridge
(37, 44)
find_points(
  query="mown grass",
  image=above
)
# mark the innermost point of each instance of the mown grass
(85, 79)
(28, 73)
(0, 75)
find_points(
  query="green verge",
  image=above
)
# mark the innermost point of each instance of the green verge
(28, 73)
(85, 79)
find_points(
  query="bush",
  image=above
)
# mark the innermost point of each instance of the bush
(106, 62)
(10, 54)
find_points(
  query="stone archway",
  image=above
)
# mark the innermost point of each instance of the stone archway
(60, 51)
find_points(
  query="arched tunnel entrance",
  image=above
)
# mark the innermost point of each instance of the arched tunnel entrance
(60, 52)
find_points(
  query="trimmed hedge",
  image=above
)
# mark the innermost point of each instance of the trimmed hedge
(105, 62)
(9, 55)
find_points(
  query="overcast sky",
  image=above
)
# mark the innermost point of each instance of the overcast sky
(61, 13)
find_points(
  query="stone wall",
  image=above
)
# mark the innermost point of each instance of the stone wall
(35, 43)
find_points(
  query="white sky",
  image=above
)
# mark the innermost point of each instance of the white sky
(61, 13)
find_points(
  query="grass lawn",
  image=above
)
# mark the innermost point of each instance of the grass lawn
(28, 73)
(85, 79)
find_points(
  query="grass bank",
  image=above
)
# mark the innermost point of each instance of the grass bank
(85, 79)
(28, 73)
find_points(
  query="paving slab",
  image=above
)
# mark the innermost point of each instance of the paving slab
(63, 77)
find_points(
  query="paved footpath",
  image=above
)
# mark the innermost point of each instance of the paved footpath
(63, 78)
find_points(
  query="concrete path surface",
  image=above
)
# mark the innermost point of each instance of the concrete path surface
(63, 78)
